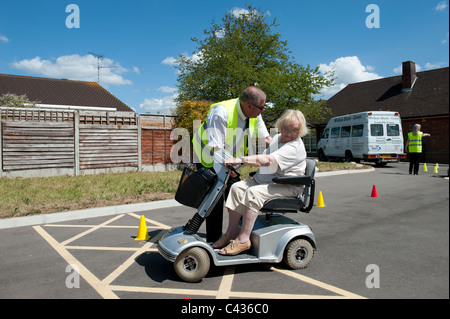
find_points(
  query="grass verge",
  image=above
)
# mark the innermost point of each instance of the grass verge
(31, 196)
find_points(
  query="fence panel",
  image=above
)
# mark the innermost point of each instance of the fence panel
(156, 145)
(103, 146)
(36, 145)
(33, 139)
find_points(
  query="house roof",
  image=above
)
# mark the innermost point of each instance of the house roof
(427, 98)
(60, 92)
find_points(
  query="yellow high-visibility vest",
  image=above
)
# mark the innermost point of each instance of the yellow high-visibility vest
(415, 142)
(205, 153)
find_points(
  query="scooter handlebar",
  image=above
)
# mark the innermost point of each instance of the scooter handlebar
(231, 168)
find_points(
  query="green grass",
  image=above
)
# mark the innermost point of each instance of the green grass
(31, 196)
(21, 197)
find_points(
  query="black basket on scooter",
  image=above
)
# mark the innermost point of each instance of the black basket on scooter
(194, 185)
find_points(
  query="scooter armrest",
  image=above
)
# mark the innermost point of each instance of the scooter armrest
(296, 180)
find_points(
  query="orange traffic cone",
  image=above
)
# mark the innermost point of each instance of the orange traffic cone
(374, 191)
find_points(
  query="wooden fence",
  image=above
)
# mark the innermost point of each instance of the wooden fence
(38, 142)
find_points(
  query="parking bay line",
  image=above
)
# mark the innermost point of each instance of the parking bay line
(104, 290)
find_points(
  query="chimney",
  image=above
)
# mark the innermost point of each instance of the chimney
(409, 75)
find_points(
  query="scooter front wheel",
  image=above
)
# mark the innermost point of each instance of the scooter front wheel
(298, 254)
(192, 264)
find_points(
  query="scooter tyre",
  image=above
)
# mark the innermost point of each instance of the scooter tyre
(298, 254)
(192, 264)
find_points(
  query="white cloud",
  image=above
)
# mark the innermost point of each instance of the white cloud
(3, 39)
(437, 65)
(170, 61)
(166, 89)
(239, 12)
(136, 70)
(441, 6)
(162, 105)
(347, 70)
(444, 41)
(76, 67)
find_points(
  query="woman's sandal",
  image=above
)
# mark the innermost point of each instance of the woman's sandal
(223, 241)
(235, 248)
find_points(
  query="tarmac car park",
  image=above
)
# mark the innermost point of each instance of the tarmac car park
(390, 247)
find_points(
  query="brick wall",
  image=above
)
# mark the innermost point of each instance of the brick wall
(435, 149)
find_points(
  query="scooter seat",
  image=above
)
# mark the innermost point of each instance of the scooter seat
(293, 204)
(283, 204)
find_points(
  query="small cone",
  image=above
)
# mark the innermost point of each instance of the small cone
(425, 169)
(374, 191)
(320, 202)
(436, 169)
(142, 232)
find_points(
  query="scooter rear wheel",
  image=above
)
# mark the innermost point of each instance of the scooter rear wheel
(192, 264)
(298, 254)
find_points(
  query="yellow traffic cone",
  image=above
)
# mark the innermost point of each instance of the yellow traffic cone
(425, 169)
(142, 232)
(436, 169)
(320, 202)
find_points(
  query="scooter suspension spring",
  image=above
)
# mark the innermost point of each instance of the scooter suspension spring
(194, 224)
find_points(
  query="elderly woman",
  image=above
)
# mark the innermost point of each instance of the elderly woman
(285, 157)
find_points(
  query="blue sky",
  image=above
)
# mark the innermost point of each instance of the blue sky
(140, 39)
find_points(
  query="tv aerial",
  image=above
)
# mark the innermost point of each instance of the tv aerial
(101, 57)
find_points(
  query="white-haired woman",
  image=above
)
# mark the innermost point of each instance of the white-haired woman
(284, 157)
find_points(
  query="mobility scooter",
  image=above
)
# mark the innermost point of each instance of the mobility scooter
(274, 237)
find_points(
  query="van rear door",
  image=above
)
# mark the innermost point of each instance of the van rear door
(394, 138)
(377, 139)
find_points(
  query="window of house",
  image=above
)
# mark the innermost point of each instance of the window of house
(310, 141)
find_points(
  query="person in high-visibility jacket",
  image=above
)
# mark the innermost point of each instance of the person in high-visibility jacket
(225, 128)
(414, 147)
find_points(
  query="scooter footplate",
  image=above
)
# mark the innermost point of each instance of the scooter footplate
(245, 258)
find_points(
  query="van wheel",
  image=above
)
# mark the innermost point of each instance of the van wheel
(321, 155)
(192, 264)
(348, 156)
(298, 254)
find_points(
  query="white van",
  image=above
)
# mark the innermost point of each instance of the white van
(368, 136)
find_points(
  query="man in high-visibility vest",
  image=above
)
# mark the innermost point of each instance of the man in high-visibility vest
(414, 147)
(226, 127)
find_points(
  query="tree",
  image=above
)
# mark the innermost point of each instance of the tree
(243, 51)
(13, 100)
(189, 111)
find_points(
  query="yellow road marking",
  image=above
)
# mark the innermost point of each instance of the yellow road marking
(151, 221)
(102, 289)
(91, 230)
(106, 290)
(317, 283)
(226, 283)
